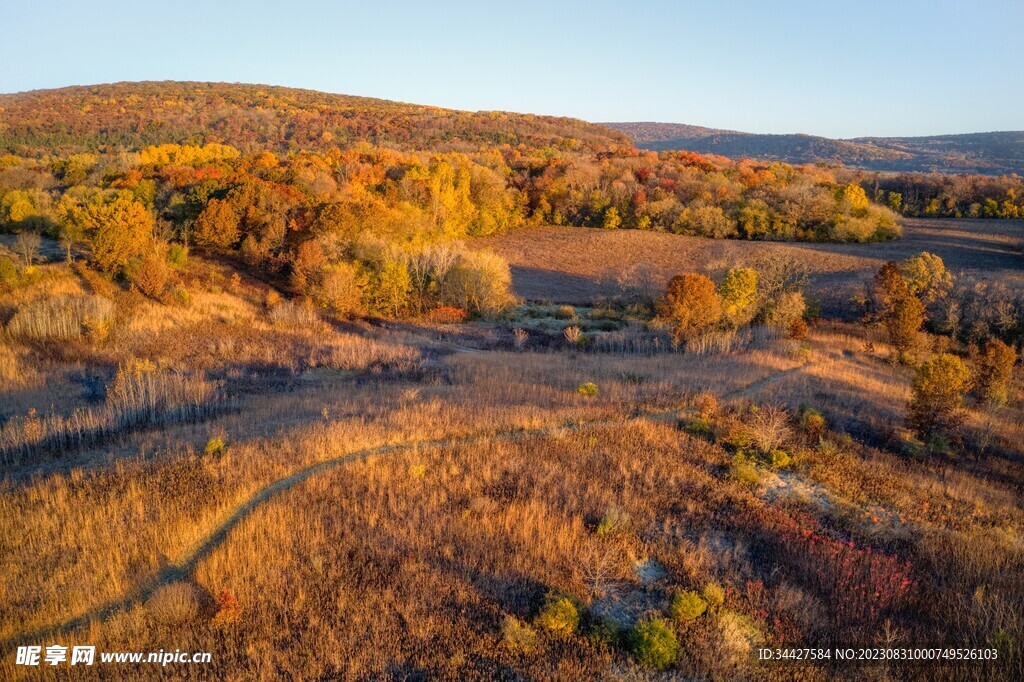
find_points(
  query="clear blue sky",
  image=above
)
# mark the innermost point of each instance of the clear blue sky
(899, 67)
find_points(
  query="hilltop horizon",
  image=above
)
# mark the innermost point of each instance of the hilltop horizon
(989, 153)
(786, 132)
(696, 128)
(42, 118)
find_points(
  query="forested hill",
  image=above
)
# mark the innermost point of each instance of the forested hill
(256, 172)
(994, 153)
(125, 116)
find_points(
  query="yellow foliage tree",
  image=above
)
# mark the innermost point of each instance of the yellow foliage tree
(937, 394)
(116, 226)
(739, 295)
(926, 276)
(187, 155)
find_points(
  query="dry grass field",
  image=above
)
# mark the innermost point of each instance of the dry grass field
(563, 264)
(310, 499)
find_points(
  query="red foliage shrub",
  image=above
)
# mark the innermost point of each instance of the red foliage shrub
(446, 314)
(860, 583)
(229, 611)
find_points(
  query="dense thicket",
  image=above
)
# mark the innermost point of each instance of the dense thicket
(937, 195)
(264, 207)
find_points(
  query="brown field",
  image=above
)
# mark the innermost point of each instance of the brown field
(396, 500)
(572, 265)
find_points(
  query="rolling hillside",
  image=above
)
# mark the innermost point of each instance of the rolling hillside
(250, 117)
(995, 153)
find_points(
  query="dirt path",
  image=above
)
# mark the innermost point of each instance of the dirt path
(184, 568)
(752, 388)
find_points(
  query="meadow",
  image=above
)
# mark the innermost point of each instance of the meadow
(311, 497)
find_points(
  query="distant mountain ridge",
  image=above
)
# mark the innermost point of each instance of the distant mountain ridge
(995, 153)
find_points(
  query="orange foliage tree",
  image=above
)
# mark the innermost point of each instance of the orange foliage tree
(690, 305)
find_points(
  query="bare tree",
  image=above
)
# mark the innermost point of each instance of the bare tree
(573, 334)
(599, 567)
(67, 243)
(431, 266)
(639, 285)
(779, 273)
(27, 245)
(769, 427)
(519, 337)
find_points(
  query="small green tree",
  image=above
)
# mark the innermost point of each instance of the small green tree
(687, 605)
(714, 595)
(559, 615)
(654, 644)
(8, 271)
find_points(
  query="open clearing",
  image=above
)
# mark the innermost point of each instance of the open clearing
(576, 265)
(367, 500)
(454, 500)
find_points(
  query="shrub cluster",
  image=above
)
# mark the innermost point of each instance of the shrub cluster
(694, 306)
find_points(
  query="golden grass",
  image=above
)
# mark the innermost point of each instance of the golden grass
(15, 370)
(487, 479)
(488, 394)
(134, 399)
(62, 317)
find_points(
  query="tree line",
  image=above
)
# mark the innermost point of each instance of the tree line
(367, 215)
(938, 195)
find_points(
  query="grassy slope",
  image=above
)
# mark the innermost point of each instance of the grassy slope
(426, 549)
(492, 470)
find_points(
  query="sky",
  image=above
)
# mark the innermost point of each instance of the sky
(839, 69)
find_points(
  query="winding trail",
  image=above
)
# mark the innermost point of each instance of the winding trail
(752, 388)
(184, 568)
